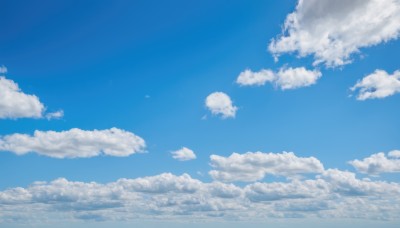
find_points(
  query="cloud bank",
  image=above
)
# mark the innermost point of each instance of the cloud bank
(332, 194)
(378, 163)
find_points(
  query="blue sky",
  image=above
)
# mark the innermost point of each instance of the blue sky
(149, 68)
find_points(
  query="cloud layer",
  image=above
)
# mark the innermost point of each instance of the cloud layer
(378, 163)
(220, 103)
(333, 194)
(332, 31)
(255, 166)
(74, 143)
(379, 84)
(183, 154)
(285, 78)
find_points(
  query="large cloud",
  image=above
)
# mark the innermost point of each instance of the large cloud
(254, 166)
(334, 194)
(333, 30)
(285, 78)
(74, 143)
(379, 84)
(378, 163)
(16, 104)
(220, 103)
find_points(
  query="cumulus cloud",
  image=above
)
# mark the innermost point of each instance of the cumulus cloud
(333, 194)
(74, 143)
(378, 163)
(220, 103)
(16, 104)
(251, 166)
(285, 78)
(332, 31)
(379, 84)
(183, 154)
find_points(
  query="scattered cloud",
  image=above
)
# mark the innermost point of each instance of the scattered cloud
(250, 78)
(285, 78)
(55, 115)
(378, 163)
(183, 154)
(16, 104)
(333, 194)
(251, 166)
(379, 84)
(332, 31)
(74, 143)
(220, 103)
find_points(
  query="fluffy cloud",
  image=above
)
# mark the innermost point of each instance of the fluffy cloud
(285, 78)
(183, 154)
(334, 194)
(250, 78)
(74, 143)
(254, 166)
(220, 103)
(333, 30)
(379, 84)
(16, 104)
(378, 163)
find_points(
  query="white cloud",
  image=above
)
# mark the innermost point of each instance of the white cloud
(285, 78)
(333, 194)
(74, 143)
(183, 154)
(254, 166)
(378, 163)
(55, 115)
(333, 30)
(220, 103)
(379, 84)
(16, 104)
(250, 78)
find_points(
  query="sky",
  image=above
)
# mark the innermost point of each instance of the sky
(218, 113)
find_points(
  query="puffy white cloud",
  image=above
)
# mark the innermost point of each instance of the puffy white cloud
(74, 143)
(254, 166)
(333, 194)
(250, 78)
(220, 103)
(183, 154)
(16, 104)
(285, 78)
(333, 30)
(378, 163)
(292, 78)
(379, 84)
